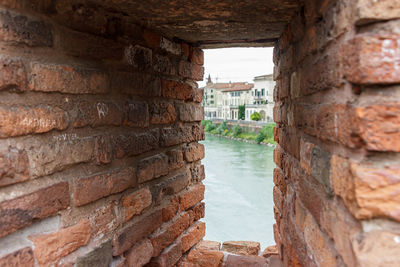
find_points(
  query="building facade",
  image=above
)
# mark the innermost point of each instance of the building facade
(222, 100)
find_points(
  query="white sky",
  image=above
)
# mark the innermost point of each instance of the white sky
(237, 64)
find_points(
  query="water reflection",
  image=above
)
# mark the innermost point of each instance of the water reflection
(239, 185)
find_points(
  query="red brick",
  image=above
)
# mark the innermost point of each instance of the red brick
(192, 197)
(14, 166)
(169, 257)
(278, 199)
(131, 144)
(196, 56)
(190, 70)
(92, 188)
(181, 134)
(67, 79)
(152, 167)
(175, 159)
(280, 180)
(130, 235)
(51, 247)
(370, 11)
(376, 190)
(373, 59)
(103, 150)
(170, 46)
(305, 155)
(22, 257)
(185, 50)
(250, 261)
(170, 211)
(24, 30)
(23, 211)
(136, 202)
(194, 152)
(197, 172)
(99, 256)
(172, 185)
(270, 251)
(190, 112)
(197, 212)
(12, 74)
(22, 120)
(193, 236)
(137, 114)
(97, 113)
(169, 234)
(162, 113)
(103, 221)
(164, 65)
(379, 125)
(135, 83)
(140, 254)
(208, 245)
(176, 90)
(204, 258)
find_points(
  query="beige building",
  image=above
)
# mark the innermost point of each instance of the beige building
(222, 100)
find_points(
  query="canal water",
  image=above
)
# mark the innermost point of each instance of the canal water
(239, 186)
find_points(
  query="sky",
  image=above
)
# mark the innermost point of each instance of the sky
(237, 64)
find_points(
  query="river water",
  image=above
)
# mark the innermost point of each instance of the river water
(239, 185)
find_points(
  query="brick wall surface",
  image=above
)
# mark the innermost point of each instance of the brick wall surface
(337, 112)
(99, 123)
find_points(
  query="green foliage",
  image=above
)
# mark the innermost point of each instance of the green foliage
(208, 125)
(255, 116)
(242, 112)
(266, 134)
(221, 128)
(236, 131)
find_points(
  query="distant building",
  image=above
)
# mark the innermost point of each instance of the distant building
(222, 100)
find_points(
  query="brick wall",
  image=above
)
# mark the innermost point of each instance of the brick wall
(337, 112)
(99, 123)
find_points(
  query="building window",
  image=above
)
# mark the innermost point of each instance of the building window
(212, 96)
(262, 91)
(212, 102)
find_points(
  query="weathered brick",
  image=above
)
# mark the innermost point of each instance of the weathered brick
(194, 152)
(197, 212)
(190, 112)
(48, 156)
(192, 197)
(12, 74)
(162, 113)
(152, 39)
(137, 114)
(379, 126)
(132, 144)
(67, 79)
(135, 83)
(193, 236)
(170, 46)
(196, 56)
(23, 211)
(104, 221)
(140, 254)
(129, 236)
(97, 113)
(14, 166)
(136, 202)
(101, 256)
(139, 57)
(164, 65)
(197, 172)
(21, 29)
(204, 258)
(190, 70)
(370, 11)
(278, 199)
(320, 167)
(237, 261)
(152, 167)
(280, 180)
(169, 256)
(92, 188)
(170, 210)
(103, 150)
(305, 155)
(51, 247)
(181, 134)
(242, 247)
(22, 257)
(364, 59)
(171, 186)
(376, 190)
(163, 239)
(175, 159)
(23, 120)
(176, 90)
(208, 245)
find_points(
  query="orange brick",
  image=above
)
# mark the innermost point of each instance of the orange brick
(136, 202)
(169, 212)
(12, 74)
(194, 152)
(193, 236)
(23, 257)
(192, 197)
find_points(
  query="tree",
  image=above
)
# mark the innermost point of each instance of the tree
(242, 112)
(255, 116)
